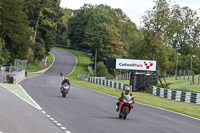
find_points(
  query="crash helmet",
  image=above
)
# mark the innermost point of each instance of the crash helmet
(127, 90)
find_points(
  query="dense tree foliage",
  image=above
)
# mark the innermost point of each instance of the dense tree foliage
(156, 36)
(30, 28)
(46, 22)
(14, 28)
(170, 29)
(99, 27)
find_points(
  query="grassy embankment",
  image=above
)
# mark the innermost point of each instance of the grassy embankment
(183, 85)
(38, 66)
(179, 84)
(181, 107)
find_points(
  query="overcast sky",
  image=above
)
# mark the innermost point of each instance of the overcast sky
(134, 9)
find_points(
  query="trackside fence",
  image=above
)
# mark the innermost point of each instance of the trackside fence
(188, 97)
(109, 83)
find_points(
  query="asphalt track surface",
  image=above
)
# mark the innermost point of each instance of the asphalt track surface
(87, 111)
(17, 116)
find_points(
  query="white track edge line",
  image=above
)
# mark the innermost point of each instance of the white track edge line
(144, 104)
(30, 98)
(74, 65)
(21, 98)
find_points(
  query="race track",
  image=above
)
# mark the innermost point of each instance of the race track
(88, 111)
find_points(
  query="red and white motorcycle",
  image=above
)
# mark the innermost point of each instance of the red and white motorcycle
(125, 106)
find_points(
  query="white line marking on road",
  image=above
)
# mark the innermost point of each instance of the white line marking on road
(59, 124)
(170, 111)
(43, 112)
(48, 116)
(38, 107)
(52, 119)
(63, 128)
(74, 65)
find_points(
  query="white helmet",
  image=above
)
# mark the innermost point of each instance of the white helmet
(127, 89)
(66, 77)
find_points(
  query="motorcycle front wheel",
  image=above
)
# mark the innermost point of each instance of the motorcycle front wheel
(64, 93)
(126, 110)
(120, 116)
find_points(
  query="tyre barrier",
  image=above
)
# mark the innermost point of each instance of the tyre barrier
(109, 83)
(188, 97)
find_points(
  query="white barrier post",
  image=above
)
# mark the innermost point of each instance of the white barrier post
(178, 96)
(198, 98)
(187, 97)
(169, 94)
(161, 92)
(154, 90)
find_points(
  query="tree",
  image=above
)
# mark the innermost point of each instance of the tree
(185, 31)
(4, 54)
(116, 45)
(14, 29)
(93, 27)
(101, 70)
(156, 35)
(46, 21)
(97, 37)
(62, 30)
(128, 31)
(77, 25)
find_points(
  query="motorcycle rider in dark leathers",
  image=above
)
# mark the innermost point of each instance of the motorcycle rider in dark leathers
(65, 81)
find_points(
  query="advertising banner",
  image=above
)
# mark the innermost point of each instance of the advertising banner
(146, 65)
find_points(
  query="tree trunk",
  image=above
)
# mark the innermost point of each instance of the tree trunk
(45, 60)
(35, 32)
(165, 79)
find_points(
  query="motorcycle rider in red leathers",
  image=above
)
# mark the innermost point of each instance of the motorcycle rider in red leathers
(126, 92)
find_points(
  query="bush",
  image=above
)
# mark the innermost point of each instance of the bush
(4, 53)
(101, 70)
(30, 55)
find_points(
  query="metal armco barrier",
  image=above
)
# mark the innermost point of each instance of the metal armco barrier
(188, 97)
(109, 83)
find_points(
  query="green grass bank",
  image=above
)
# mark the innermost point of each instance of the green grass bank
(179, 84)
(37, 66)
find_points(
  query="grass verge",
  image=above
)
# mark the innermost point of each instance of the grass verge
(145, 98)
(38, 65)
(179, 84)
(183, 85)
(16, 89)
